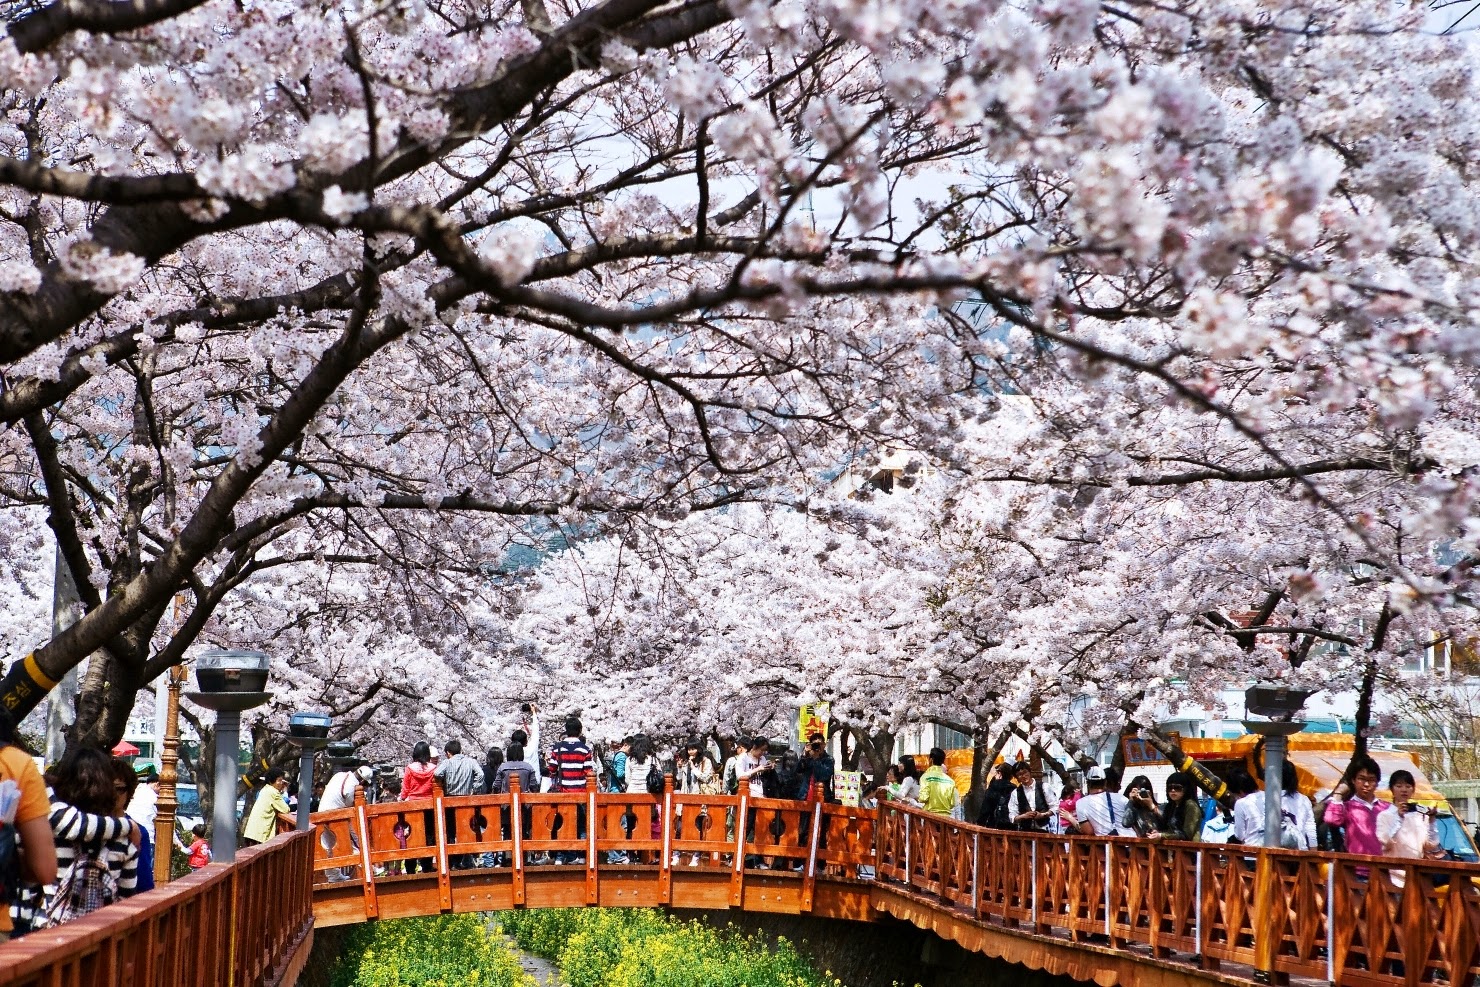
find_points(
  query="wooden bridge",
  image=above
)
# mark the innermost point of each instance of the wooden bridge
(1108, 911)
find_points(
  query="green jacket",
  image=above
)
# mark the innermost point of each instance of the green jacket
(938, 791)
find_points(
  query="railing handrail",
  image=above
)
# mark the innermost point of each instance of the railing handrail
(21, 960)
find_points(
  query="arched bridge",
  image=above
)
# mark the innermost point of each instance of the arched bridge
(1110, 911)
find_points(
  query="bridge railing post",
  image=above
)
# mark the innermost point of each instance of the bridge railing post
(367, 869)
(742, 819)
(1266, 938)
(440, 827)
(516, 832)
(593, 874)
(665, 861)
(809, 882)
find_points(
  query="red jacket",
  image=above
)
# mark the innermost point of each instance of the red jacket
(416, 783)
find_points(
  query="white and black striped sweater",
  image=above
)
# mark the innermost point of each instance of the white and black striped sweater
(100, 837)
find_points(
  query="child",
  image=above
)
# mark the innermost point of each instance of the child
(199, 850)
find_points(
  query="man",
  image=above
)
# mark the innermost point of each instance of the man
(339, 793)
(938, 792)
(528, 737)
(570, 763)
(1355, 808)
(1100, 811)
(729, 777)
(818, 768)
(993, 812)
(459, 775)
(270, 809)
(1027, 804)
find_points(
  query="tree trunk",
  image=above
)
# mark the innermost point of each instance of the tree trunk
(1204, 778)
(1364, 713)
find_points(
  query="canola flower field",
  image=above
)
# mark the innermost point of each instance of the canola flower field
(592, 947)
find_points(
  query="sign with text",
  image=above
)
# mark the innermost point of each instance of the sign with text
(811, 719)
(1139, 753)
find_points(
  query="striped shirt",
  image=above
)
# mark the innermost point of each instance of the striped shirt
(570, 760)
(103, 838)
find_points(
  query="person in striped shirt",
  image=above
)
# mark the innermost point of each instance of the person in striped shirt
(570, 763)
(97, 846)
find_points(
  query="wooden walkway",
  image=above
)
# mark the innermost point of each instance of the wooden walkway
(1107, 911)
(1103, 910)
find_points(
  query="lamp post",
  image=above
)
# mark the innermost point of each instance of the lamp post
(1280, 703)
(229, 682)
(169, 759)
(309, 732)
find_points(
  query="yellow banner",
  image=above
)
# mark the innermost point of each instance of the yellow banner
(811, 719)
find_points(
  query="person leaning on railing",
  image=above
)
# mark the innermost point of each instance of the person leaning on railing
(938, 791)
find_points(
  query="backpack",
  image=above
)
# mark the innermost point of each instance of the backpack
(88, 885)
(10, 866)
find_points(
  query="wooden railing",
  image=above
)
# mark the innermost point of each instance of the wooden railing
(1341, 918)
(1252, 914)
(1245, 911)
(244, 924)
(374, 846)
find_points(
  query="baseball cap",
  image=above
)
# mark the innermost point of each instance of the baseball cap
(365, 773)
(1095, 773)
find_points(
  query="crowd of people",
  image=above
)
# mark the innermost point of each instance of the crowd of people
(79, 837)
(636, 765)
(1351, 818)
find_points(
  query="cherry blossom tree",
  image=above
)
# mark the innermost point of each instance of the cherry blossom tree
(411, 288)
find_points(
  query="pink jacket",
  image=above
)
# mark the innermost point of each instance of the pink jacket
(416, 783)
(1358, 822)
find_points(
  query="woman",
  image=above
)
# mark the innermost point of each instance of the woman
(909, 782)
(1298, 819)
(125, 773)
(1402, 831)
(97, 846)
(694, 774)
(416, 783)
(641, 762)
(1142, 814)
(492, 761)
(1181, 817)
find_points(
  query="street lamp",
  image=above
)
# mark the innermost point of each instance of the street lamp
(228, 682)
(309, 732)
(1280, 703)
